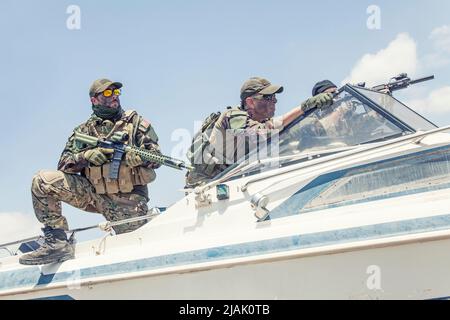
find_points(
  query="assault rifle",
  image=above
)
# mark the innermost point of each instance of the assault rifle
(116, 142)
(402, 81)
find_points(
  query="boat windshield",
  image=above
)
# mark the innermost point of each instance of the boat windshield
(398, 109)
(348, 122)
(352, 120)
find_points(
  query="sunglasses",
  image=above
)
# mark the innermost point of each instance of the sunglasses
(267, 97)
(109, 92)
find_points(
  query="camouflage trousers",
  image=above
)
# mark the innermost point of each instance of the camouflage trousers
(50, 188)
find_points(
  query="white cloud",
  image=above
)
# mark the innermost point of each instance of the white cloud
(399, 56)
(17, 226)
(441, 38)
(435, 60)
(437, 102)
(440, 57)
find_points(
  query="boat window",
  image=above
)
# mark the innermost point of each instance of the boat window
(409, 174)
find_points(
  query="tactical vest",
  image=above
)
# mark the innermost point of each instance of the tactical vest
(128, 177)
(201, 155)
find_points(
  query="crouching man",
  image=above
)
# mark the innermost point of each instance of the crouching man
(83, 181)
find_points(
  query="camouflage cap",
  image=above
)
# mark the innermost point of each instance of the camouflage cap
(258, 85)
(101, 85)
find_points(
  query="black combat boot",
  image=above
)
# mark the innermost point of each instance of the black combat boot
(55, 249)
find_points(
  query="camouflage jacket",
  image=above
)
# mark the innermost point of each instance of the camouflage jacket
(72, 160)
(233, 136)
(238, 119)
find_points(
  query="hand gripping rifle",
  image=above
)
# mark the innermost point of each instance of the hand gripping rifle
(117, 144)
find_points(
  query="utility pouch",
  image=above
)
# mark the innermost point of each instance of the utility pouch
(112, 185)
(125, 179)
(94, 174)
(143, 176)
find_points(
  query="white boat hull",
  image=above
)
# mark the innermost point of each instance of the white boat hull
(387, 245)
(387, 270)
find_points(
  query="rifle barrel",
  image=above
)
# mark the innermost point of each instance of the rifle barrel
(401, 84)
(422, 80)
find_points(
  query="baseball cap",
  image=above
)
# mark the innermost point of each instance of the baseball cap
(101, 85)
(259, 85)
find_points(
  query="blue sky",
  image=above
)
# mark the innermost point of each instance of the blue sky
(181, 60)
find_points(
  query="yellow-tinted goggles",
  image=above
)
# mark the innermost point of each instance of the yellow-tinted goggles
(110, 92)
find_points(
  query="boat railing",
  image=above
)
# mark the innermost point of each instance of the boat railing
(105, 226)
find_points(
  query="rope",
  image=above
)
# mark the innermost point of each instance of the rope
(102, 242)
(9, 251)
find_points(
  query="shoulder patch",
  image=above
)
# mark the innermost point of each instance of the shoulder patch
(237, 113)
(237, 118)
(146, 128)
(238, 122)
(144, 125)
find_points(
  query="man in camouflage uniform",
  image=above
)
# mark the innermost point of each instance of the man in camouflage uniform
(255, 116)
(82, 179)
